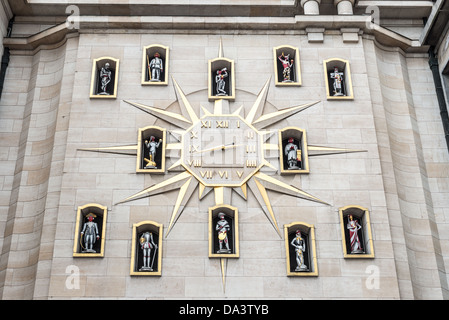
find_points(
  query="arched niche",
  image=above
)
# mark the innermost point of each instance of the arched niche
(357, 240)
(337, 75)
(151, 147)
(287, 67)
(104, 79)
(221, 79)
(146, 251)
(293, 140)
(223, 232)
(300, 262)
(90, 230)
(155, 63)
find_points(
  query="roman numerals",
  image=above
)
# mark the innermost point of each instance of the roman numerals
(195, 162)
(222, 123)
(219, 124)
(193, 148)
(222, 150)
(222, 174)
(251, 163)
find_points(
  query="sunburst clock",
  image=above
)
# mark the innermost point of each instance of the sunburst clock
(222, 151)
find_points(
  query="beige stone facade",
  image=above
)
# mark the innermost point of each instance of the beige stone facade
(401, 177)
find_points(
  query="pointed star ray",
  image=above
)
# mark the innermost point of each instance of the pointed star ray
(259, 103)
(223, 265)
(185, 192)
(279, 186)
(171, 117)
(238, 110)
(242, 191)
(184, 103)
(261, 195)
(203, 191)
(177, 134)
(129, 150)
(320, 150)
(271, 118)
(177, 166)
(205, 111)
(164, 186)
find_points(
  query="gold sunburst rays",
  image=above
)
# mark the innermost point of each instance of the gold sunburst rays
(186, 183)
(261, 182)
(128, 149)
(183, 181)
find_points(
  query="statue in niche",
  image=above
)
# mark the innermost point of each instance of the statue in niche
(90, 233)
(338, 82)
(152, 146)
(353, 226)
(300, 247)
(223, 227)
(287, 64)
(220, 82)
(156, 67)
(147, 244)
(291, 151)
(105, 78)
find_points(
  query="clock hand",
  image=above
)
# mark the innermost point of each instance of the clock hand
(231, 146)
(222, 147)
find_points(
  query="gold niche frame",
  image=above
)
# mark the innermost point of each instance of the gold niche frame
(299, 135)
(343, 65)
(99, 211)
(231, 212)
(362, 214)
(139, 228)
(97, 64)
(146, 133)
(311, 262)
(147, 54)
(218, 64)
(296, 72)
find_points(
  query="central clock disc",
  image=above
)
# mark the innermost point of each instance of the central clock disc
(222, 150)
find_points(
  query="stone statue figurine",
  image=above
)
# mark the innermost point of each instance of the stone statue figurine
(223, 227)
(353, 226)
(338, 82)
(291, 151)
(300, 247)
(105, 78)
(287, 64)
(219, 80)
(90, 233)
(152, 145)
(147, 244)
(156, 67)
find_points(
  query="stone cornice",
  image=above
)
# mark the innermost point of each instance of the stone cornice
(157, 7)
(117, 24)
(253, 8)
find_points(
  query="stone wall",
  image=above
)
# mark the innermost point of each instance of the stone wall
(47, 115)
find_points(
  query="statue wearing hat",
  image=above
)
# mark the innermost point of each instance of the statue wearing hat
(287, 64)
(291, 151)
(220, 82)
(90, 233)
(300, 247)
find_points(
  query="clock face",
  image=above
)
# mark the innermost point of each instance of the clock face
(222, 150)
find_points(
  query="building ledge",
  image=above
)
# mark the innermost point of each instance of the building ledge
(136, 24)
